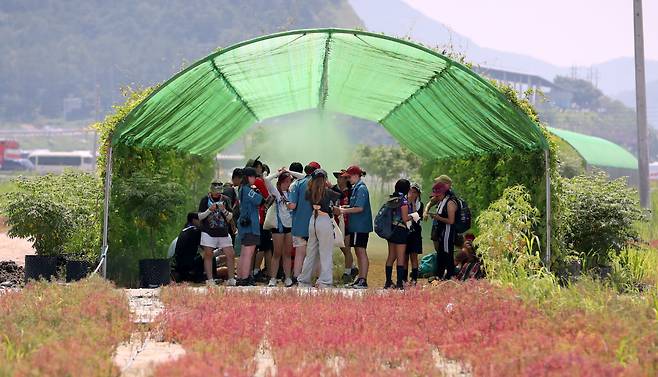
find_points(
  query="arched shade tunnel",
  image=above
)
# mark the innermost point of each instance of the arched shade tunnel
(436, 107)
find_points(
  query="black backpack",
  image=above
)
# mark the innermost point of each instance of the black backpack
(384, 218)
(462, 216)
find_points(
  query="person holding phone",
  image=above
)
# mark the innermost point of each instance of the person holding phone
(250, 199)
(215, 216)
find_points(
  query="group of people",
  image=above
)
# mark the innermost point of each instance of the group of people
(291, 219)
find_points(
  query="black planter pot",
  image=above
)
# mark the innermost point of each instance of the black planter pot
(154, 272)
(40, 267)
(77, 270)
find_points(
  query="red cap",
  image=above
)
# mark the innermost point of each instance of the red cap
(314, 165)
(353, 170)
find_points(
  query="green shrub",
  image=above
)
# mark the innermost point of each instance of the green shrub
(60, 214)
(600, 216)
(508, 244)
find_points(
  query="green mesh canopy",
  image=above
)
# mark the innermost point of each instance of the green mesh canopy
(432, 105)
(597, 151)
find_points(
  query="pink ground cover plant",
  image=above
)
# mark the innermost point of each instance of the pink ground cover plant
(49, 329)
(482, 325)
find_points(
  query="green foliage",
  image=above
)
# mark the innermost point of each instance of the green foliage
(94, 47)
(388, 163)
(600, 215)
(508, 244)
(150, 201)
(633, 268)
(60, 214)
(153, 190)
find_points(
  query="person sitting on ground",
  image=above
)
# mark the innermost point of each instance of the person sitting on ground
(344, 188)
(467, 264)
(215, 215)
(188, 266)
(397, 242)
(321, 232)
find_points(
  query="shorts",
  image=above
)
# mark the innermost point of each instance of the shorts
(215, 242)
(359, 239)
(285, 230)
(414, 243)
(299, 241)
(250, 239)
(399, 236)
(265, 240)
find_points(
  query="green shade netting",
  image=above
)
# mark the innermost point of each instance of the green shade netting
(597, 151)
(432, 105)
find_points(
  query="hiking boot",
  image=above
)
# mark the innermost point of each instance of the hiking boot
(288, 283)
(347, 279)
(360, 283)
(399, 285)
(272, 283)
(388, 285)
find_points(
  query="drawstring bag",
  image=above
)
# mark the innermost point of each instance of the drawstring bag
(270, 218)
(339, 240)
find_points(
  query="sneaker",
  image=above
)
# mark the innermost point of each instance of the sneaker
(355, 272)
(288, 283)
(399, 285)
(360, 283)
(272, 283)
(347, 279)
(388, 285)
(231, 282)
(210, 283)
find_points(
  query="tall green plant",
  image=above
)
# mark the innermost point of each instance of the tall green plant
(60, 214)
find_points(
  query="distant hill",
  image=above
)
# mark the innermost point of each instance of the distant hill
(59, 54)
(628, 98)
(395, 17)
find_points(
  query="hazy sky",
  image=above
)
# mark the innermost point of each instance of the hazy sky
(562, 32)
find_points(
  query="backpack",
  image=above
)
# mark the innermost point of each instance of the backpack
(462, 217)
(384, 218)
(427, 265)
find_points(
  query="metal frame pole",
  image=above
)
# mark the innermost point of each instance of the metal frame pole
(106, 209)
(641, 106)
(548, 208)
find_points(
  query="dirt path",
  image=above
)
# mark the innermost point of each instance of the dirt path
(14, 249)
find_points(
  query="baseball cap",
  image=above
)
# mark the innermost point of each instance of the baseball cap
(443, 179)
(314, 165)
(354, 170)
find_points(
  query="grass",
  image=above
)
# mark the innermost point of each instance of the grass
(49, 329)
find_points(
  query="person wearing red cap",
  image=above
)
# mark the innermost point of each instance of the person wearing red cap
(360, 222)
(443, 230)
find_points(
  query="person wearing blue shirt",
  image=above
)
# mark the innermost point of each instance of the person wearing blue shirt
(301, 216)
(360, 222)
(248, 225)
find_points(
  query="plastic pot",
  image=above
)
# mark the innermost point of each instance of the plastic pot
(154, 272)
(40, 267)
(77, 270)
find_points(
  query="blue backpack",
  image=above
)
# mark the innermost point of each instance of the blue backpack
(384, 218)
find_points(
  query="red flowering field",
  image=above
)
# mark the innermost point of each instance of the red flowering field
(489, 329)
(51, 329)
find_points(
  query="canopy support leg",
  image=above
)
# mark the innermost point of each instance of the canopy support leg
(548, 208)
(106, 209)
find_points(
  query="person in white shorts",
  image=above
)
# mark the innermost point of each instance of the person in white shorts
(215, 215)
